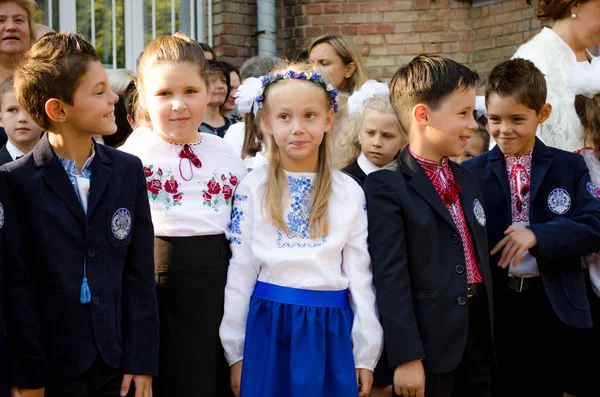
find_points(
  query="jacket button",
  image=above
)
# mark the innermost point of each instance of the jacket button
(91, 252)
(460, 269)
(456, 239)
(462, 300)
(96, 301)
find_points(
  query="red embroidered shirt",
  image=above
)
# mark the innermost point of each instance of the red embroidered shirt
(519, 175)
(442, 178)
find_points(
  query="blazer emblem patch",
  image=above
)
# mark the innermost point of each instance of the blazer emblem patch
(121, 223)
(559, 201)
(479, 212)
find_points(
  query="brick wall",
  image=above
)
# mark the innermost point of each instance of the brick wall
(234, 30)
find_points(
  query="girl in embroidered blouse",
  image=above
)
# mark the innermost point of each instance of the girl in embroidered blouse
(300, 316)
(191, 178)
(376, 137)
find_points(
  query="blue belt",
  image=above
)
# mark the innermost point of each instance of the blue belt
(303, 297)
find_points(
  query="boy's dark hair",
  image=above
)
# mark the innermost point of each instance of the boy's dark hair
(7, 86)
(427, 79)
(52, 68)
(130, 98)
(206, 47)
(520, 79)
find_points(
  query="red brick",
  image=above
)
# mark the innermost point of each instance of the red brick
(349, 30)
(509, 28)
(516, 38)
(403, 27)
(368, 7)
(495, 9)
(414, 49)
(448, 48)
(349, 8)
(483, 33)
(331, 30)
(385, 5)
(422, 26)
(466, 46)
(378, 50)
(437, 15)
(509, 5)
(314, 9)
(368, 29)
(228, 51)
(521, 4)
(439, 26)
(408, 38)
(333, 8)
(421, 4)
(461, 15)
(401, 16)
(396, 49)
(386, 28)
(509, 17)
(484, 44)
(432, 48)
(313, 31)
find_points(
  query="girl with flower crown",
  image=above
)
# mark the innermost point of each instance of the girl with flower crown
(191, 178)
(376, 137)
(300, 316)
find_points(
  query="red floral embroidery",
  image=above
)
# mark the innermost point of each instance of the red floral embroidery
(227, 192)
(213, 187)
(148, 172)
(233, 180)
(160, 172)
(171, 186)
(154, 186)
(177, 198)
(207, 197)
(223, 177)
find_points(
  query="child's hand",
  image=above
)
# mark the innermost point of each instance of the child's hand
(518, 240)
(364, 379)
(18, 392)
(143, 385)
(236, 378)
(409, 379)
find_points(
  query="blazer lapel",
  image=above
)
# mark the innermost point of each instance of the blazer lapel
(56, 177)
(420, 182)
(498, 165)
(101, 173)
(540, 163)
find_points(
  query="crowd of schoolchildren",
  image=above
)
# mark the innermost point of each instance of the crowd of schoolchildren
(343, 237)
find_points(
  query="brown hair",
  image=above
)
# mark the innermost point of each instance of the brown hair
(167, 49)
(553, 10)
(52, 68)
(7, 86)
(29, 6)
(427, 79)
(349, 54)
(276, 181)
(588, 110)
(520, 79)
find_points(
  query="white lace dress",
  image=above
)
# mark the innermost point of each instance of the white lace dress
(555, 59)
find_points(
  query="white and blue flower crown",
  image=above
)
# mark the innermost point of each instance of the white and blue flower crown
(315, 77)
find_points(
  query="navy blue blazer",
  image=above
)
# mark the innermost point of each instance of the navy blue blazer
(51, 334)
(419, 264)
(561, 238)
(8, 222)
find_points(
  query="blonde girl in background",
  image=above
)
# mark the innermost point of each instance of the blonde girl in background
(300, 316)
(191, 178)
(376, 137)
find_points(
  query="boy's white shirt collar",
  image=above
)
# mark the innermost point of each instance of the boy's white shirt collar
(366, 165)
(13, 150)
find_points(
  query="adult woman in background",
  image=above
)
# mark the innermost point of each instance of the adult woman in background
(341, 60)
(554, 51)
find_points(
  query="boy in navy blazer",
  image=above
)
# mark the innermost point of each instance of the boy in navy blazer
(82, 313)
(543, 214)
(428, 243)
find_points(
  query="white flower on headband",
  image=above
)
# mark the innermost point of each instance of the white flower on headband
(247, 93)
(584, 78)
(480, 109)
(368, 90)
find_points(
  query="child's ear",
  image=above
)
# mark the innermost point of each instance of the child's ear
(55, 109)
(350, 69)
(420, 115)
(545, 113)
(329, 120)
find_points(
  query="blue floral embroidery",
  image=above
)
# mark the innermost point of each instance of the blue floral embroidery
(300, 190)
(365, 207)
(237, 216)
(240, 197)
(70, 167)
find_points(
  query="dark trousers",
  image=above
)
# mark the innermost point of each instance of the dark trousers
(191, 275)
(99, 380)
(533, 346)
(472, 376)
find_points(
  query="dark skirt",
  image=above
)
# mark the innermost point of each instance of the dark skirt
(298, 344)
(191, 273)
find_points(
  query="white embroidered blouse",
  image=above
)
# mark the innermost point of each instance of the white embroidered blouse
(338, 261)
(555, 59)
(187, 200)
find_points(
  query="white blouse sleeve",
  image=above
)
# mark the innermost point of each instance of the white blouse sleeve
(241, 277)
(367, 333)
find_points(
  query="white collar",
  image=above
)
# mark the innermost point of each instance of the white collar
(13, 150)
(366, 165)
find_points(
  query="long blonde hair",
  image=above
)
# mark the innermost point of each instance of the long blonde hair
(348, 149)
(277, 185)
(349, 54)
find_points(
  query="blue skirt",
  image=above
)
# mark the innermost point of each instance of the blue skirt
(298, 344)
